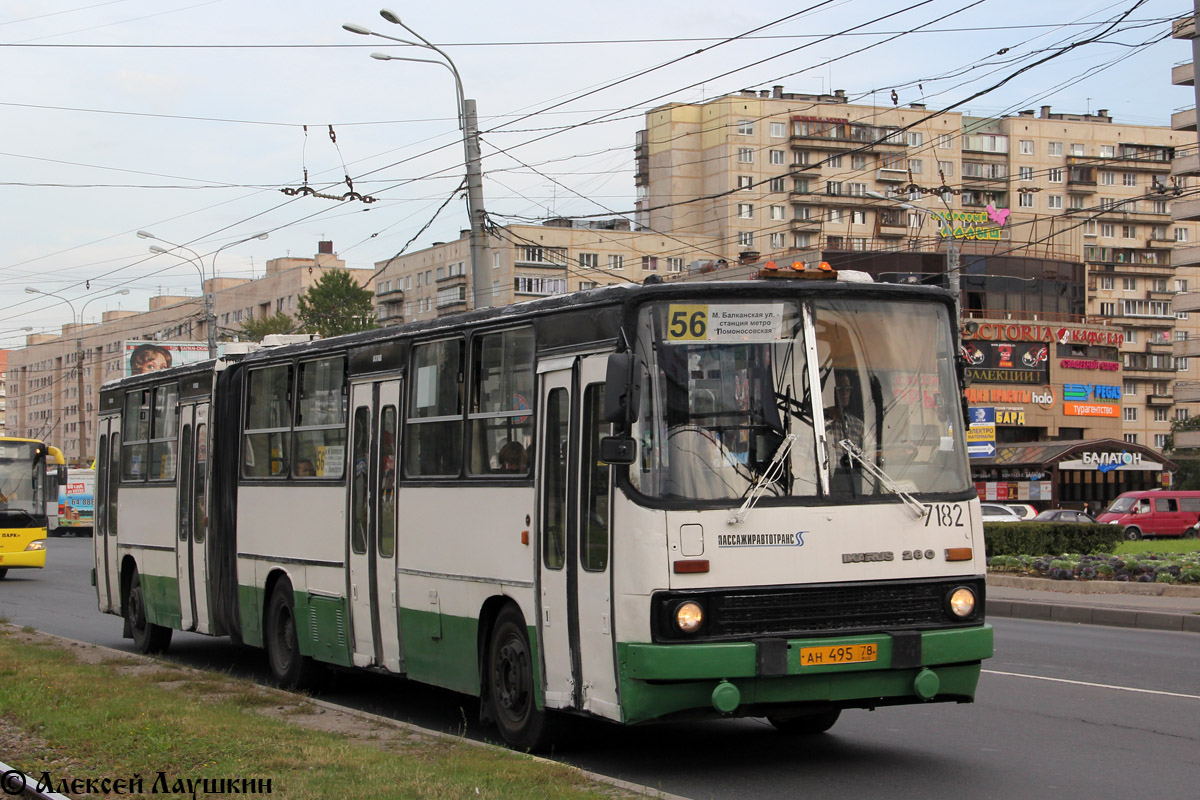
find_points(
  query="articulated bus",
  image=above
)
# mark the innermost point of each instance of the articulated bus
(637, 503)
(30, 474)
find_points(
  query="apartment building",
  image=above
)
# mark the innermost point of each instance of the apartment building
(3, 391)
(1042, 199)
(41, 382)
(529, 261)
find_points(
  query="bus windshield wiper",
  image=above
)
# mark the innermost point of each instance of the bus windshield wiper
(915, 506)
(771, 473)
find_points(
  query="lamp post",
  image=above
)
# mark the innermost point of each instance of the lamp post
(469, 125)
(210, 318)
(79, 396)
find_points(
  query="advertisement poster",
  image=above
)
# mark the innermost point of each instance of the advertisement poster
(143, 357)
(1007, 362)
(75, 499)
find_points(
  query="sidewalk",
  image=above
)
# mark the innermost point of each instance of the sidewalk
(1155, 606)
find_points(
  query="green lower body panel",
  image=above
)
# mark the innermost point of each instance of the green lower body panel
(440, 649)
(662, 679)
(250, 607)
(161, 596)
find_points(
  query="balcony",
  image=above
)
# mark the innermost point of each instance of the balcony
(1187, 348)
(1188, 164)
(1184, 28)
(1184, 119)
(1188, 392)
(806, 225)
(1160, 400)
(886, 174)
(1186, 301)
(1186, 209)
(1183, 74)
(1186, 256)
(886, 230)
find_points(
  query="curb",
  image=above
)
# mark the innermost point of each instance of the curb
(1092, 615)
(1094, 587)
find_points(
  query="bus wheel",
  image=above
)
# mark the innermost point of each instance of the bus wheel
(510, 685)
(147, 637)
(806, 724)
(289, 668)
(1133, 534)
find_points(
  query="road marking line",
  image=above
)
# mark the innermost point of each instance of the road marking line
(1094, 685)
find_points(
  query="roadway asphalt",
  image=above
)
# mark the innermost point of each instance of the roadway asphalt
(1155, 606)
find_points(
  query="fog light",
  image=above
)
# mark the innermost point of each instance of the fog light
(962, 602)
(689, 616)
(36, 544)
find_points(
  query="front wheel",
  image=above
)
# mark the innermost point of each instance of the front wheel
(806, 724)
(1133, 534)
(510, 676)
(147, 637)
(289, 668)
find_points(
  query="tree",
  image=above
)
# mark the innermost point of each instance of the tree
(1188, 458)
(336, 304)
(256, 329)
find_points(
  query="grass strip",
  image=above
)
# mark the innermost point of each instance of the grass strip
(127, 717)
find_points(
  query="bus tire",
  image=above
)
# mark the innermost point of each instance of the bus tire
(511, 692)
(148, 638)
(1133, 534)
(806, 724)
(289, 667)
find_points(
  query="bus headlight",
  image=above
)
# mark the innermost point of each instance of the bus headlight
(689, 616)
(961, 602)
(36, 544)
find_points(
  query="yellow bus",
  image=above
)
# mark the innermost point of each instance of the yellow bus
(30, 473)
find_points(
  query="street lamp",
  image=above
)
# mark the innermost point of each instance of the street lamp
(469, 125)
(210, 318)
(78, 320)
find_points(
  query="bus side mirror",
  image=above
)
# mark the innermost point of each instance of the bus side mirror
(618, 450)
(622, 389)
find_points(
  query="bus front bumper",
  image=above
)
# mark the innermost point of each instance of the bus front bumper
(25, 559)
(742, 678)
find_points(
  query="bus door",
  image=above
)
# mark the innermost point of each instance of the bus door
(104, 539)
(192, 517)
(574, 585)
(184, 517)
(371, 534)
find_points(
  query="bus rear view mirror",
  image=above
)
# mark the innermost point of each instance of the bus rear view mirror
(622, 391)
(618, 449)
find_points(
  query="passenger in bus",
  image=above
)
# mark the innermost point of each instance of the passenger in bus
(841, 423)
(305, 469)
(513, 458)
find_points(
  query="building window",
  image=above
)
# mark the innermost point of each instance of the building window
(1108, 179)
(1158, 206)
(1107, 230)
(834, 162)
(800, 185)
(1130, 388)
(835, 188)
(777, 241)
(1181, 284)
(777, 157)
(1130, 413)
(616, 262)
(1129, 231)
(1108, 150)
(915, 138)
(1054, 175)
(675, 264)
(1181, 414)
(916, 166)
(589, 260)
(745, 127)
(746, 210)
(1025, 147)
(1025, 200)
(858, 217)
(1108, 309)
(1106, 282)
(859, 189)
(1129, 179)
(1076, 149)
(945, 141)
(777, 212)
(745, 182)
(745, 238)
(522, 284)
(777, 185)
(745, 155)
(945, 169)
(650, 263)
(1131, 438)
(1054, 202)
(1181, 234)
(778, 130)
(1054, 148)
(1160, 440)
(1160, 415)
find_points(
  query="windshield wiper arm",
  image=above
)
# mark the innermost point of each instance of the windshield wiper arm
(915, 506)
(771, 473)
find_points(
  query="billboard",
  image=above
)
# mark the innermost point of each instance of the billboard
(1007, 362)
(142, 357)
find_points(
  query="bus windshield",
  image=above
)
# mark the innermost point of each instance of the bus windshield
(21, 478)
(726, 392)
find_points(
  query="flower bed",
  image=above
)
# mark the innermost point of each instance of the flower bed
(1142, 568)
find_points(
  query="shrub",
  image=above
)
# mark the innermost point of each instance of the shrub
(1037, 538)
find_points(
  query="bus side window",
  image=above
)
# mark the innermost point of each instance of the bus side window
(100, 492)
(501, 386)
(593, 551)
(433, 434)
(554, 501)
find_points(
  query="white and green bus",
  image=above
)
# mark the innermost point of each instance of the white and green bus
(636, 503)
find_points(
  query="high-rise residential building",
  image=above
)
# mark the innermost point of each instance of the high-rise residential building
(1053, 218)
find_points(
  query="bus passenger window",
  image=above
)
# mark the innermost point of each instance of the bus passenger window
(501, 388)
(433, 434)
(268, 423)
(321, 419)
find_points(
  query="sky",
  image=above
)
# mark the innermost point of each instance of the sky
(187, 118)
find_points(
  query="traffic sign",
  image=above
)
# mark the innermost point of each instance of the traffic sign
(981, 449)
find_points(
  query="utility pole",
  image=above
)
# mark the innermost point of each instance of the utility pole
(81, 419)
(481, 273)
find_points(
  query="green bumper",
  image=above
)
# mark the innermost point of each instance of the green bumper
(661, 679)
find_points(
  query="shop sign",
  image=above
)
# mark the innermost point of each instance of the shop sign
(1010, 417)
(971, 224)
(1094, 391)
(1007, 362)
(1074, 409)
(1084, 363)
(1043, 397)
(1109, 461)
(1016, 332)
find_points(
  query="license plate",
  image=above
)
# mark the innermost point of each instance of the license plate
(838, 654)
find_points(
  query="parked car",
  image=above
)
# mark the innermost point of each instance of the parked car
(1064, 515)
(997, 512)
(1156, 512)
(1024, 510)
